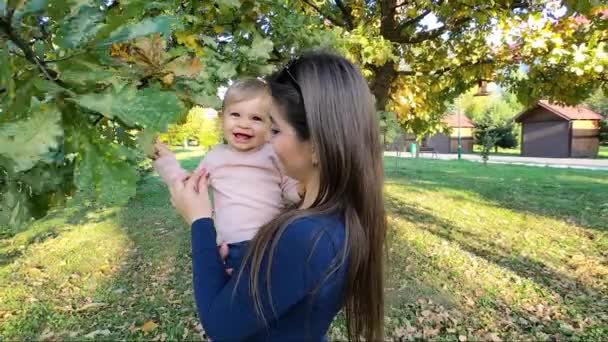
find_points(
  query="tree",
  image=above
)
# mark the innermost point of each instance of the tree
(86, 84)
(494, 113)
(420, 55)
(389, 127)
(487, 140)
(599, 103)
(201, 125)
(495, 132)
(84, 87)
(499, 104)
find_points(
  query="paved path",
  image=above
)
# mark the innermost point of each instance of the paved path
(574, 163)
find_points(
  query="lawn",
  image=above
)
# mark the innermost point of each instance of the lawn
(475, 253)
(501, 151)
(603, 153)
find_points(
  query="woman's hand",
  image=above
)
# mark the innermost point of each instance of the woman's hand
(190, 197)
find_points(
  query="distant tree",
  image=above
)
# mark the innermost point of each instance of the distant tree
(389, 127)
(502, 132)
(500, 104)
(599, 103)
(198, 126)
(493, 116)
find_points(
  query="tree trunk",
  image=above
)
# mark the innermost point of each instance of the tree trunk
(418, 145)
(381, 83)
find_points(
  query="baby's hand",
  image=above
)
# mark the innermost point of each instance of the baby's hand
(161, 150)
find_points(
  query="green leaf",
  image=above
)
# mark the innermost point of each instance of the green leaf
(30, 7)
(210, 41)
(79, 28)
(229, 3)
(145, 139)
(59, 9)
(14, 210)
(5, 71)
(27, 141)
(226, 70)
(161, 24)
(149, 108)
(103, 173)
(260, 48)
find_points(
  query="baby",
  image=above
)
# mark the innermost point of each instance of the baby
(247, 182)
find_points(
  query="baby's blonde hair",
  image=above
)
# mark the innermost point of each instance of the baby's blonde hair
(245, 89)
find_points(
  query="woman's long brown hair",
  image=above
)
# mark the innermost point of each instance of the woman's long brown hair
(327, 101)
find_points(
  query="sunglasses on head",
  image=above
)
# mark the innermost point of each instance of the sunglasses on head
(287, 68)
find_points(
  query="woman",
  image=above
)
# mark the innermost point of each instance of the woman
(325, 255)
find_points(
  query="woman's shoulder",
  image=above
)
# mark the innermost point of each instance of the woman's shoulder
(316, 231)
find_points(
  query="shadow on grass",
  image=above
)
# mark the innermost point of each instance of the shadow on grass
(547, 192)
(150, 283)
(16, 245)
(586, 300)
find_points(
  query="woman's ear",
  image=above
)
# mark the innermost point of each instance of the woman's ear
(315, 157)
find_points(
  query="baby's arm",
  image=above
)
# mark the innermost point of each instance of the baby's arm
(167, 165)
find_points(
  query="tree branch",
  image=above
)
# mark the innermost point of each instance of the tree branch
(447, 69)
(64, 58)
(414, 20)
(332, 19)
(400, 5)
(5, 26)
(346, 14)
(434, 33)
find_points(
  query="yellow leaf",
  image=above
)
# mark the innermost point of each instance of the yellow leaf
(149, 326)
(120, 51)
(185, 67)
(150, 50)
(35, 272)
(189, 40)
(168, 79)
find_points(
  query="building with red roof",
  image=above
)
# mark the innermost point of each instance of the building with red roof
(448, 143)
(551, 130)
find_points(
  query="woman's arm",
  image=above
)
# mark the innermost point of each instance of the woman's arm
(302, 258)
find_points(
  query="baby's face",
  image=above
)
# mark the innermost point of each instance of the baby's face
(247, 123)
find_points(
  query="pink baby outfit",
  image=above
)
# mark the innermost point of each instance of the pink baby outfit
(249, 188)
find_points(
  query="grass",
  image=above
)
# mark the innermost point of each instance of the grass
(475, 252)
(603, 152)
(501, 151)
(515, 251)
(508, 152)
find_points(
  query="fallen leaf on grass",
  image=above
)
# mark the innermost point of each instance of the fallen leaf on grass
(149, 326)
(91, 306)
(462, 338)
(162, 337)
(47, 334)
(93, 334)
(492, 337)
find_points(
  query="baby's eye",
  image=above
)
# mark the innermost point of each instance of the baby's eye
(274, 131)
(257, 118)
(236, 115)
